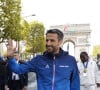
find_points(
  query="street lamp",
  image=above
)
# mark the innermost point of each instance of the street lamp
(30, 15)
(68, 47)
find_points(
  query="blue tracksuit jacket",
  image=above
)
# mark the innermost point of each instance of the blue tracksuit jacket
(54, 72)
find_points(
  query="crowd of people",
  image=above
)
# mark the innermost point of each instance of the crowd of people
(10, 80)
(55, 69)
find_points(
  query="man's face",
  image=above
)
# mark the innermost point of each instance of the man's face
(84, 57)
(52, 43)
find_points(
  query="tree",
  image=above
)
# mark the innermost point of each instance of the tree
(36, 39)
(25, 30)
(10, 19)
(96, 50)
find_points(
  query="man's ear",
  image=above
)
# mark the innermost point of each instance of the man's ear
(60, 42)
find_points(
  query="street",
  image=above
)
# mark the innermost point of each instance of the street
(32, 81)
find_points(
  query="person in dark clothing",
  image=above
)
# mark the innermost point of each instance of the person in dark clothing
(15, 81)
(2, 73)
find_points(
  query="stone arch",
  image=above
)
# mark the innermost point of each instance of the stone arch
(70, 46)
(78, 34)
(69, 40)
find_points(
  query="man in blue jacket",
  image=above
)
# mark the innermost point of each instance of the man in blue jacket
(55, 69)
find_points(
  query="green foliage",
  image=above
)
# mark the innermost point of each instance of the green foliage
(36, 39)
(25, 30)
(10, 19)
(96, 50)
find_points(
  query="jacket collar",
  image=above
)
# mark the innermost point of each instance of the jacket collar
(50, 55)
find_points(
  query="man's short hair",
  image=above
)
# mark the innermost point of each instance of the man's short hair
(56, 31)
(83, 53)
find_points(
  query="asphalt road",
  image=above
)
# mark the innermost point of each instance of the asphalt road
(32, 81)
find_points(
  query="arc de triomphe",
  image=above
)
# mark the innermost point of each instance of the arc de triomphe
(78, 34)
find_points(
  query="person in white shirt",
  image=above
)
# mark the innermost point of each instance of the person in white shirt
(88, 72)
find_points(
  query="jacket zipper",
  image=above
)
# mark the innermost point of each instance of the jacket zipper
(53, 79)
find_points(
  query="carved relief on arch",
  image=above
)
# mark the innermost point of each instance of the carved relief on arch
(83, 40)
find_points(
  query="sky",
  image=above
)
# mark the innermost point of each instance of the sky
(59, 12)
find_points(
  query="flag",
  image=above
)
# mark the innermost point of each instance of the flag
(65, 28)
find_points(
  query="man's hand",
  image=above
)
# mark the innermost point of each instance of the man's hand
(98, 84)
(6, 87)
(10, 48)
(24, 88)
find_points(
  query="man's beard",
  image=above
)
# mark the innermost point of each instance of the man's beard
(50, 49)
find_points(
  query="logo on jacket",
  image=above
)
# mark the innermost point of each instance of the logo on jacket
(64, 66)
(47, 66)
